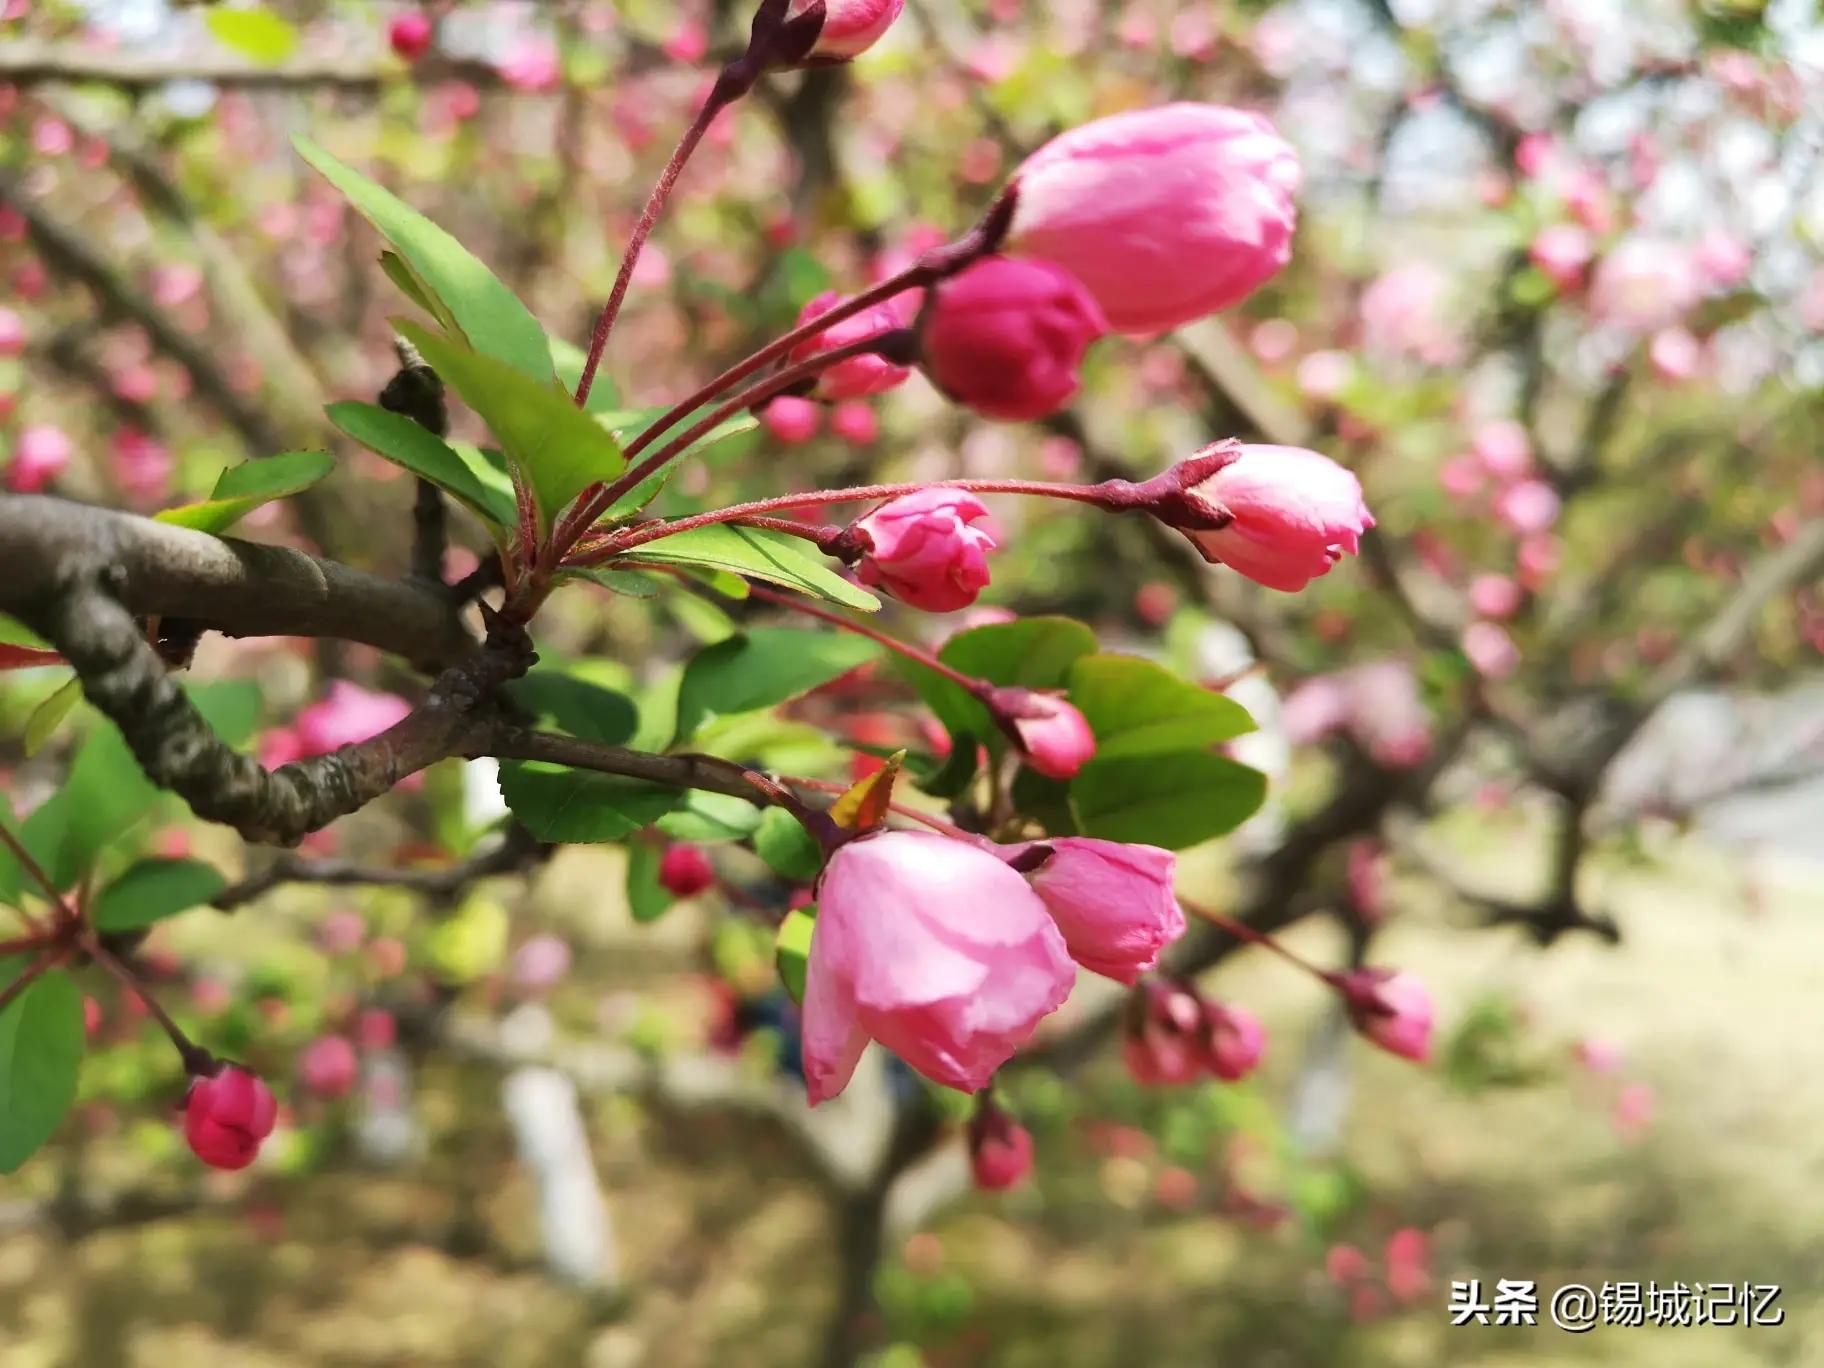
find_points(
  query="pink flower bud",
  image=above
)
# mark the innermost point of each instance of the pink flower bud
(856, 423)
(1723, 260)
(1233, 1042)
(541, 962)
(925, 549)
(1283, 515)
(347, 716)
(1676, 353)
(1165, 214)
(1391, 1008)
(1490, 650)
(1503, 448)
(1562, 253)
(850, 27)
(1644, 284)
(859, 376)
(1528, 507)
(227, 1116)
(328, 1067)
(376, 1029)
(1495, 596)
(40, 457)
(410, 34)
(1000, 1149)
(1006, 338)
(791, 421)
(685, 870)
(1113, 902)
(934, 948)
(12, 332)
(1054, 738)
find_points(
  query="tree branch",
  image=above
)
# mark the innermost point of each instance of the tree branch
(516, 849)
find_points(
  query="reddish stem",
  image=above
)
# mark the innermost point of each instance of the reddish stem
(1242, 931)
(197, 1060)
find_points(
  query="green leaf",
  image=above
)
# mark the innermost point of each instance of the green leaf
(788, 849)
(628, 583)
(557, 447)
(104, 795)
(763, 666)
(41, 1035)
(792, 949)
(580, 708)
(711, 817)
(425, 454)
(1045, 800)
(1032, 653)
(248, 486)
(1173, 801)
(771, 556)
(231, 707)
(1138, 707)
(394, 267)
(604, 398)
(564, 805)
(256, 33)
(647, 898)
(49, 715)
(629, 423)
(152, 890)
(488, 316)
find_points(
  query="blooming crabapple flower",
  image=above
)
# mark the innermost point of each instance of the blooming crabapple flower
(1402, 314)
(1562, 253)
(1165, 215)
(1006, 338)
(1284, 515)
(348, 716)
(859, 376)
(1392, 1008)
(328, 1067)
(934, 948)
(1113, 902)
(1323, 374)
(227, 1116)
(1054, 738)
(790, 420)
(1723, 260)
(1644, 284)
(410, 34)
(1490, 650)
(685, 870)
(925, 549)
(1495, 596)
(1000, 1149)
(1529, 507)
(1676, 354)
(39, 457)
(850, 27)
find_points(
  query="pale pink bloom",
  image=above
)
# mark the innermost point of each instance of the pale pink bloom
(929, 548)
(142, 464)
(541, 963)
(1054, 738)
(993, 59)
(1676, 354)
(136, 383)
(688, 41)
(1587, 199)
(1402, 314)
(1538, 560)
(342, 931)
(859, 376)
(934, 948)
(1562, 253)
(1528, 507)
(791, 421)
(176, 285)
(328, 1067)
(52, 137)
(850, 27)
(653, 270)
(12, 332)
(1113, 902)
(1723, 260)
(376, 1029)
(347, 716)
(533, 65)
(1503, 448)
(1387, 714)
(1490, 650)
(1007, 338)
(1323, 374)
(40, 456)
(1534, 155)
(1495, 596)
(1644, 284)
(1392, 1008)
(1273, 340)
(855, 423)
(1598, 1055)
(1165, 214)
(1461, 477)
(1315, 710)
(1634, 1108)
(1291, 514)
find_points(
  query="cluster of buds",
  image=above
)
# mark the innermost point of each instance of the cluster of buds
(1173, 1034)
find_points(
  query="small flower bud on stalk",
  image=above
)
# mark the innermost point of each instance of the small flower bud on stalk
(1053, 737)
(227, 1116)
(1000, 1148)
(1391, 1008)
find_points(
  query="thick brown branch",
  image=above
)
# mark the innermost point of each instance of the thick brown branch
(229, 586)
(706, 772)
(23, 62)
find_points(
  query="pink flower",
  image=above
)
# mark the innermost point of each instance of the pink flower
(1644, 284)
(1285, 515)
(859, 376)
(1113, 902)
(1402, 314)
(1387, 714)
(328, 1067)
(376, 1029)
(1676, 353)
(1165, 214)
(1323, 375)
(1234, 1042)
(1000, 1149)
(791, 421)
(12, 332)
(1006, 338)
(227, 1116)
(541, 962)
(1344, 1264)
(934, 948)
(1562, 253)
(1598, 1055)
(925, 548)
(409, 34)
(1495, 596)
(534, 65)
(39, 457)
(1503, 448)
(855, 422)
(685, 870)
(1490, 650)
(1408, 1259)
(1633, 1113)
(850, 27)
(1391, 1008)
(1723, 260)
(1529, 507)
(347, 717)
(688, 42)
(1054, 738)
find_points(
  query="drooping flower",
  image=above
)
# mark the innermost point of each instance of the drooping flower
(928, 548)
(1113, 901)
(934, 948)
(1053, 736)
(1165, 215)
(1392, 1008)
(1006, 338)
(1000, 1148)
(850, 27)
(227, 1116)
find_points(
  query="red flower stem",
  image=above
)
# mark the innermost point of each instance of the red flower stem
(599, 499)
(724, 93)
(976, 687)
(197, 1060)
(831, 786)
(818, 533)
(24, 981)
(1242, 931)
